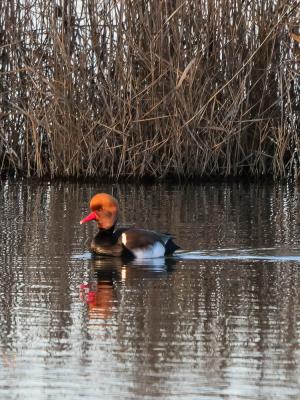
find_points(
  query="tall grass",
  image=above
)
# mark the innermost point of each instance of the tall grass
(138, 88)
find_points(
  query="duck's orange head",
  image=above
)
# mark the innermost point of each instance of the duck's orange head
(104, 209)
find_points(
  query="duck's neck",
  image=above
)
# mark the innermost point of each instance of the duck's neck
(106, 232)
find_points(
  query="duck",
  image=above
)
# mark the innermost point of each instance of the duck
(129, 243)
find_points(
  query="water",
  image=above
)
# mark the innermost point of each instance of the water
(219, 320)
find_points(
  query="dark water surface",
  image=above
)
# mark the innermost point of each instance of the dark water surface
(220, 320)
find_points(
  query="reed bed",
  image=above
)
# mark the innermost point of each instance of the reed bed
(151, 88)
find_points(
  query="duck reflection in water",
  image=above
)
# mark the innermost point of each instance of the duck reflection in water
(107, 276)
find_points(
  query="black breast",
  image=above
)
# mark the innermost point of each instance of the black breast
(107, 243)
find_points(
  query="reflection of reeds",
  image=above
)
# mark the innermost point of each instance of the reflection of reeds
(150, 88)
(8, 360)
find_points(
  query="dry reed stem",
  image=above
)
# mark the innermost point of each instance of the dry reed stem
(150, 88)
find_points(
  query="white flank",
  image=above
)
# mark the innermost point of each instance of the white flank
(154, 251)
(124, 240)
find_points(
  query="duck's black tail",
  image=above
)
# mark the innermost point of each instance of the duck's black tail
(171, 247)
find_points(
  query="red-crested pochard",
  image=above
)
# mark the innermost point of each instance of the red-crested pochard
(123, 242)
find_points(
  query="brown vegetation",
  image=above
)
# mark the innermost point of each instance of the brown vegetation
(139, 88)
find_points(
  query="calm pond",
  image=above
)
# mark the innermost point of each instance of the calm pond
(219, 320)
